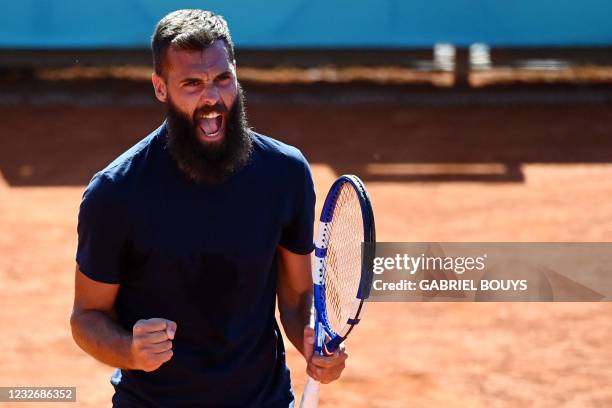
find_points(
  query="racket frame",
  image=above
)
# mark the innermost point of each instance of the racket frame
(323, 328)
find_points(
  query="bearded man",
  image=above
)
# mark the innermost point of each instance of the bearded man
(187, 239)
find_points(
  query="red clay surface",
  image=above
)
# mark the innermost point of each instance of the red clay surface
(545, 175)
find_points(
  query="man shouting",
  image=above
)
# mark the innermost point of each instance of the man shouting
(187, 239)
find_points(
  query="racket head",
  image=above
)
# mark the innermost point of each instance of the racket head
(342, 272)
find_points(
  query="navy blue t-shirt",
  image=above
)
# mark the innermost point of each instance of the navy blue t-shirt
(204, 257)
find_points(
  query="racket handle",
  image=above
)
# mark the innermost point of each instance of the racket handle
(310, 397)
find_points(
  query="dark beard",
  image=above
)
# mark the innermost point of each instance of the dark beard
(215, 163)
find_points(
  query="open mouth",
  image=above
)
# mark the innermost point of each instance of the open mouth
(211, 125)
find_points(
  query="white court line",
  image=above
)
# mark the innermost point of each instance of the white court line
(397, 169)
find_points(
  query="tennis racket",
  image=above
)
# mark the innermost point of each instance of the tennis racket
(341, 274)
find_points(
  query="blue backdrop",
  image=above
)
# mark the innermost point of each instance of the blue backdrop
(315, 23)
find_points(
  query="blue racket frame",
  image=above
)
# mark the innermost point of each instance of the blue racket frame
(322, 325)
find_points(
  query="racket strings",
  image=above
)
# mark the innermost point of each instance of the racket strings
(343, 268)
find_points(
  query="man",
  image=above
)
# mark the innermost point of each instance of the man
(186, 240)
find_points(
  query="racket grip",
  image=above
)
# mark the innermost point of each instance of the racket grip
(310, 397)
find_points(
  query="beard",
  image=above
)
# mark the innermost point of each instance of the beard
(215, 162)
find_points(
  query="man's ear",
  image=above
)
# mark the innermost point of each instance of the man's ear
(159, 85)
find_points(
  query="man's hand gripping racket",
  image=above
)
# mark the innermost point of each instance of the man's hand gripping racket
(341, 274)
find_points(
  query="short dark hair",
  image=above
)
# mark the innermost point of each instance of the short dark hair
(188, 29)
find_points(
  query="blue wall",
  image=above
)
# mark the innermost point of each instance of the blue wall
(315, 23)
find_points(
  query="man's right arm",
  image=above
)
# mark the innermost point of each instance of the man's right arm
(96, 331)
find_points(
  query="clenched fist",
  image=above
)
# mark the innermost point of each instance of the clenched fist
(152, 343)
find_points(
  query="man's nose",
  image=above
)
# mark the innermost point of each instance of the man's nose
(209, 96)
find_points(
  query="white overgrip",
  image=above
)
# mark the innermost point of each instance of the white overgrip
(310, 397)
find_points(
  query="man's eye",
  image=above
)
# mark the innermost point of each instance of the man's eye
(224, 77)
(191, 83)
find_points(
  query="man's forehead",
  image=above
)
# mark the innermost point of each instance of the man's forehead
(214, 57)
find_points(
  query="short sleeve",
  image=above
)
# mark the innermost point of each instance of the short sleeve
(102, 232)
(297, 236)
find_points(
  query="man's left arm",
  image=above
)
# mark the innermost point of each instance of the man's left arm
(294, 291)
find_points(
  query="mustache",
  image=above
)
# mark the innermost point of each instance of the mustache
(216, 108)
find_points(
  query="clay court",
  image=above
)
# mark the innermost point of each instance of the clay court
(502, 172)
